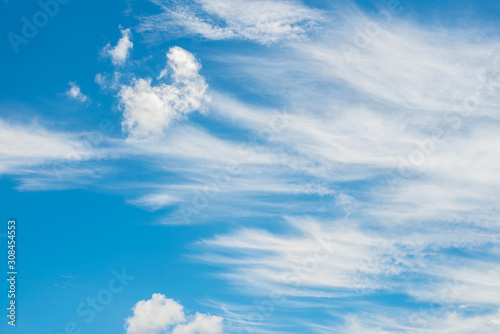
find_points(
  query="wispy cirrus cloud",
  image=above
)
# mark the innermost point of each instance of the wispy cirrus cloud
(439, 321)
(28, 145)
(261, 21)
(43, 158)
(330, 264)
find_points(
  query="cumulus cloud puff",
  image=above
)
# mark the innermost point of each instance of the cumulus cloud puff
(202, 324)
(162, 315)
(75, 92)
(149, 110)
(121, 51)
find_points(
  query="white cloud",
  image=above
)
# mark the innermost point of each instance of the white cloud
(462, 282)
(202, 324)
(405, 65)
(75, 92)
(42, 158)
(356, 137)
(425, 321)
(261, 21)
(162, 315)
(455, 323)
(315, 260)
(378, 113)
(155, 201)
(25, 146)
(155, 315)
(149, 110)
(107, 81)
(121, 51)
(337, 259)
(100, 80)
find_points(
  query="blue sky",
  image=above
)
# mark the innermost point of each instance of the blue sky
(267, 166)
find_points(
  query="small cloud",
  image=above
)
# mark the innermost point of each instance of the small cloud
(75, 93)
(154, 201)
(149, 110)
(160, 314)
(108, 81)
(346, 202)
(121, 51)
(100, 80)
